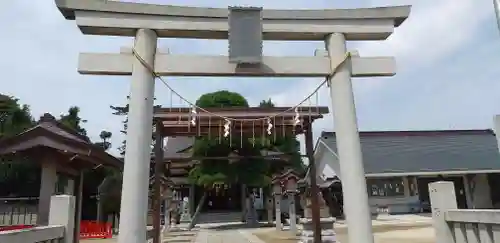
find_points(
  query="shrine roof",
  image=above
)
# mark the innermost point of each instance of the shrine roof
(53, 137)
(417, 153)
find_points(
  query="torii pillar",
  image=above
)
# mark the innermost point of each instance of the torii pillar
(354, 188)
(134, 201)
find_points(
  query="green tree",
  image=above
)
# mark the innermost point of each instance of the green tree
(105, 137)
(289, 145)
(266, 103)
(110, 182)
(221, 98)
(14, 118)
(19, 176)
(123, 111)
(95, 177)
(73, 120)
(110, 188)
(208, 173)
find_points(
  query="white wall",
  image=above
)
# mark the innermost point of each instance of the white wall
(395, 205)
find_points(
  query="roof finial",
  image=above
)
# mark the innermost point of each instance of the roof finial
(47, 117)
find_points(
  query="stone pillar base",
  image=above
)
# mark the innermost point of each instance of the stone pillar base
(185, 218)
(327, 230)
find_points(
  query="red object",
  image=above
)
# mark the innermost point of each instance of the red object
(15, 227)
(88, 229)
(95, 230)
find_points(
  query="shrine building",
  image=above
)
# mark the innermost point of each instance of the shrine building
(399, 165)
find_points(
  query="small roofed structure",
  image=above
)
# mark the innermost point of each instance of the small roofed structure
(226, 123)
(57, 149)
(330, 187)
(286, 179)
(165, 184)
(52, 137)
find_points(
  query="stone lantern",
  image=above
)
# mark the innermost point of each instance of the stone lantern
(326, 221)
(290, 179)
(168, 195)
(277, 192)
(175, 202)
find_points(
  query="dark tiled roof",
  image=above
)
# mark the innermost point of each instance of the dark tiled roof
(177, 145)
(426, 151)
(59, 137)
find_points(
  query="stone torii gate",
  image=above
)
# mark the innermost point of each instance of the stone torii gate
(147, 23)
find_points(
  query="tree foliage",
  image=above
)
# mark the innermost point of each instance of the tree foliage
(123, 111)
(249, 171)
(221, 98)
(23, 175)
(94, 177)
(266, 103)
(105, 137)
(14, 118)
(73, 120)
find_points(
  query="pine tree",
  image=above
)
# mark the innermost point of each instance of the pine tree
(123, 111)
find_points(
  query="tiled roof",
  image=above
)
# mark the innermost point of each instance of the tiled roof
(176, 145)
(425, 151)
(59, 137)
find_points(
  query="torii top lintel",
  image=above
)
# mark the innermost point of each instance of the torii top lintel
(100, 17)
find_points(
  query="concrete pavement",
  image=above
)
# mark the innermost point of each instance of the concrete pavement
(390, 229)
(226, 236)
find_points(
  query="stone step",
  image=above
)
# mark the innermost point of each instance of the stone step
(222, 217)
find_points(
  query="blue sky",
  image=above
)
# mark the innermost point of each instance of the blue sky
(447, 52)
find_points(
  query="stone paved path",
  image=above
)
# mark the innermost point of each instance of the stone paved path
(200, 236)
(226, 236)
(171, 237)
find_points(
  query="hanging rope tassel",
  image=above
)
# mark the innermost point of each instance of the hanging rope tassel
(156, 75)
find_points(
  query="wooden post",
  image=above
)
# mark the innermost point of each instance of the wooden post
(314, 186)
(442, 196)
(158, 175)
